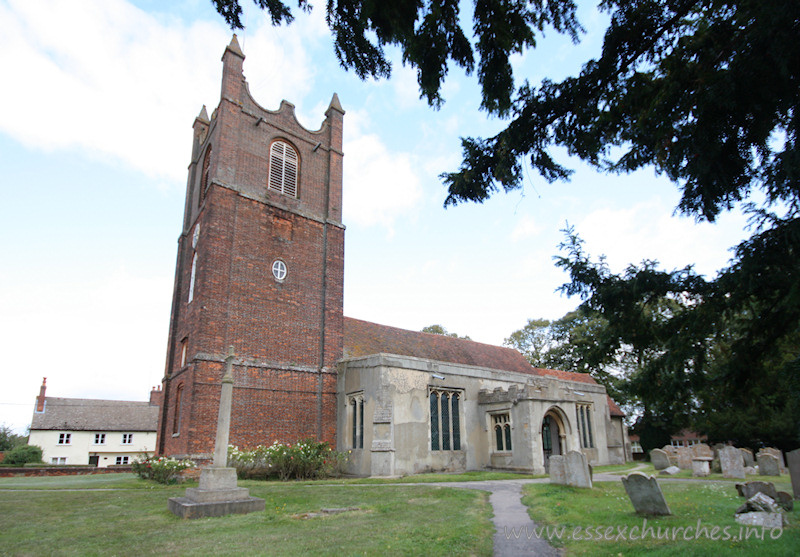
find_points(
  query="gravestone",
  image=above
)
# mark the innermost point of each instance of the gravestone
(671, 471)
(672, 454)
(703, 450)
(748, 489)
(747, 454)
(685, 456)
(578, 474)
(659, 459)
(558, 473)
(645, 494)
(778, 454)
(750, 471)
(217, 493)
(768, 465)
(700, 466)
(793, 459)
(732, 463)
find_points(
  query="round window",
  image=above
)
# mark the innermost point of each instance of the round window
(279, 270)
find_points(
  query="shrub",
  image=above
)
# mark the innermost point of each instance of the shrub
(162, 469)
(22, 455)
(305, 460)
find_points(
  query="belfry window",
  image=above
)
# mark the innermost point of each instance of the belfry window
(355, 409)
(204, 176)
(584, 417)
(283, 165)
(445, 420)
(502, 431)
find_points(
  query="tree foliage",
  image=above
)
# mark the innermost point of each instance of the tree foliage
(9, 439)
(439, 330)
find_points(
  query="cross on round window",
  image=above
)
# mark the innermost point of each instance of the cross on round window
(279, 269)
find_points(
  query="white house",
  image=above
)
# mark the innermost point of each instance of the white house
(94, 432)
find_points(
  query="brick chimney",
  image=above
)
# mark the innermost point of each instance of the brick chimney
(40, 398)
(156, 396)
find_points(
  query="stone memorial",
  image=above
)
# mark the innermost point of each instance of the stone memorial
(778, 454)
(731, 462)
(558, 473)
(577, 470)
(218, 493)
(703, 450)
(793, 459)
(760, 510)
(660, 459)
(671, 471)
(750, 471)
(645, 494)
(685, 456)
(748, 489)
(700, 466)
(672, 454)
(747, 455)
(768, 465)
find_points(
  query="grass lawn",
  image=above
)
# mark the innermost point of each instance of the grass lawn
(121, 515)
(607, 505)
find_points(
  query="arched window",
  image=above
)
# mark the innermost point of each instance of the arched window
(204, 176)
(445, 420)
(283, 164)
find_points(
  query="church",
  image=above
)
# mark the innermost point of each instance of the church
(260, 267)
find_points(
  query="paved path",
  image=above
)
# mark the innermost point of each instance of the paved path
(511, 516)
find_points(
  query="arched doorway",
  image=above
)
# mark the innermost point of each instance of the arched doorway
(552, 433)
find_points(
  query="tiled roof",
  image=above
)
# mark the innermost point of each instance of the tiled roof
(614, 409)
(82, 414)
(567, 375)
(362, 338)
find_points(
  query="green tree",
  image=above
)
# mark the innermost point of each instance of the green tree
(9, 439)
(439, 330)
(534, 340)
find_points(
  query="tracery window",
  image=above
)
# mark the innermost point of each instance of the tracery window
(584, 416)
(502, 431)
(445, 420)
(283, 165)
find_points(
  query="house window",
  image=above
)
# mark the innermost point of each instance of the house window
(283, 163)
(58, 460)
(127, 438)
(176, 419)
(636, 447)
(502, 431)
(99, 438)
(204, 176)
(584, 415)
(676, 442)
(64, 438)
(445, 420)
(355, 406)
(121, 460)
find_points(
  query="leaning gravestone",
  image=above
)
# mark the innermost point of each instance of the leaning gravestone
(659, 459)
(793, 459)
(578, 474)
(671, 471)
(747, 454)
(645, 494)
(768, 465)
(558, 474)
(730, 459)
(685, 456)
(748, 489)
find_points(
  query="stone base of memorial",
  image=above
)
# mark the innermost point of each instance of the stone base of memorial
(216, 495)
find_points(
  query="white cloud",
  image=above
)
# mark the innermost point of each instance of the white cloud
(526, 227)
(379, 186)
(105, 78)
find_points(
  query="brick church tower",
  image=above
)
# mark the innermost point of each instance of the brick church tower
(260, 267)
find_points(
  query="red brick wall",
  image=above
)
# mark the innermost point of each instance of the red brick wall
(287, 335)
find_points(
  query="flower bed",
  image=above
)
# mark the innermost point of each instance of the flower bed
(304, 460)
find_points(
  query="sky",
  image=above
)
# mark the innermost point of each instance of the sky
(98, 99)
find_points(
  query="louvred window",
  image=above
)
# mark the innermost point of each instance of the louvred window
(283, 168)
